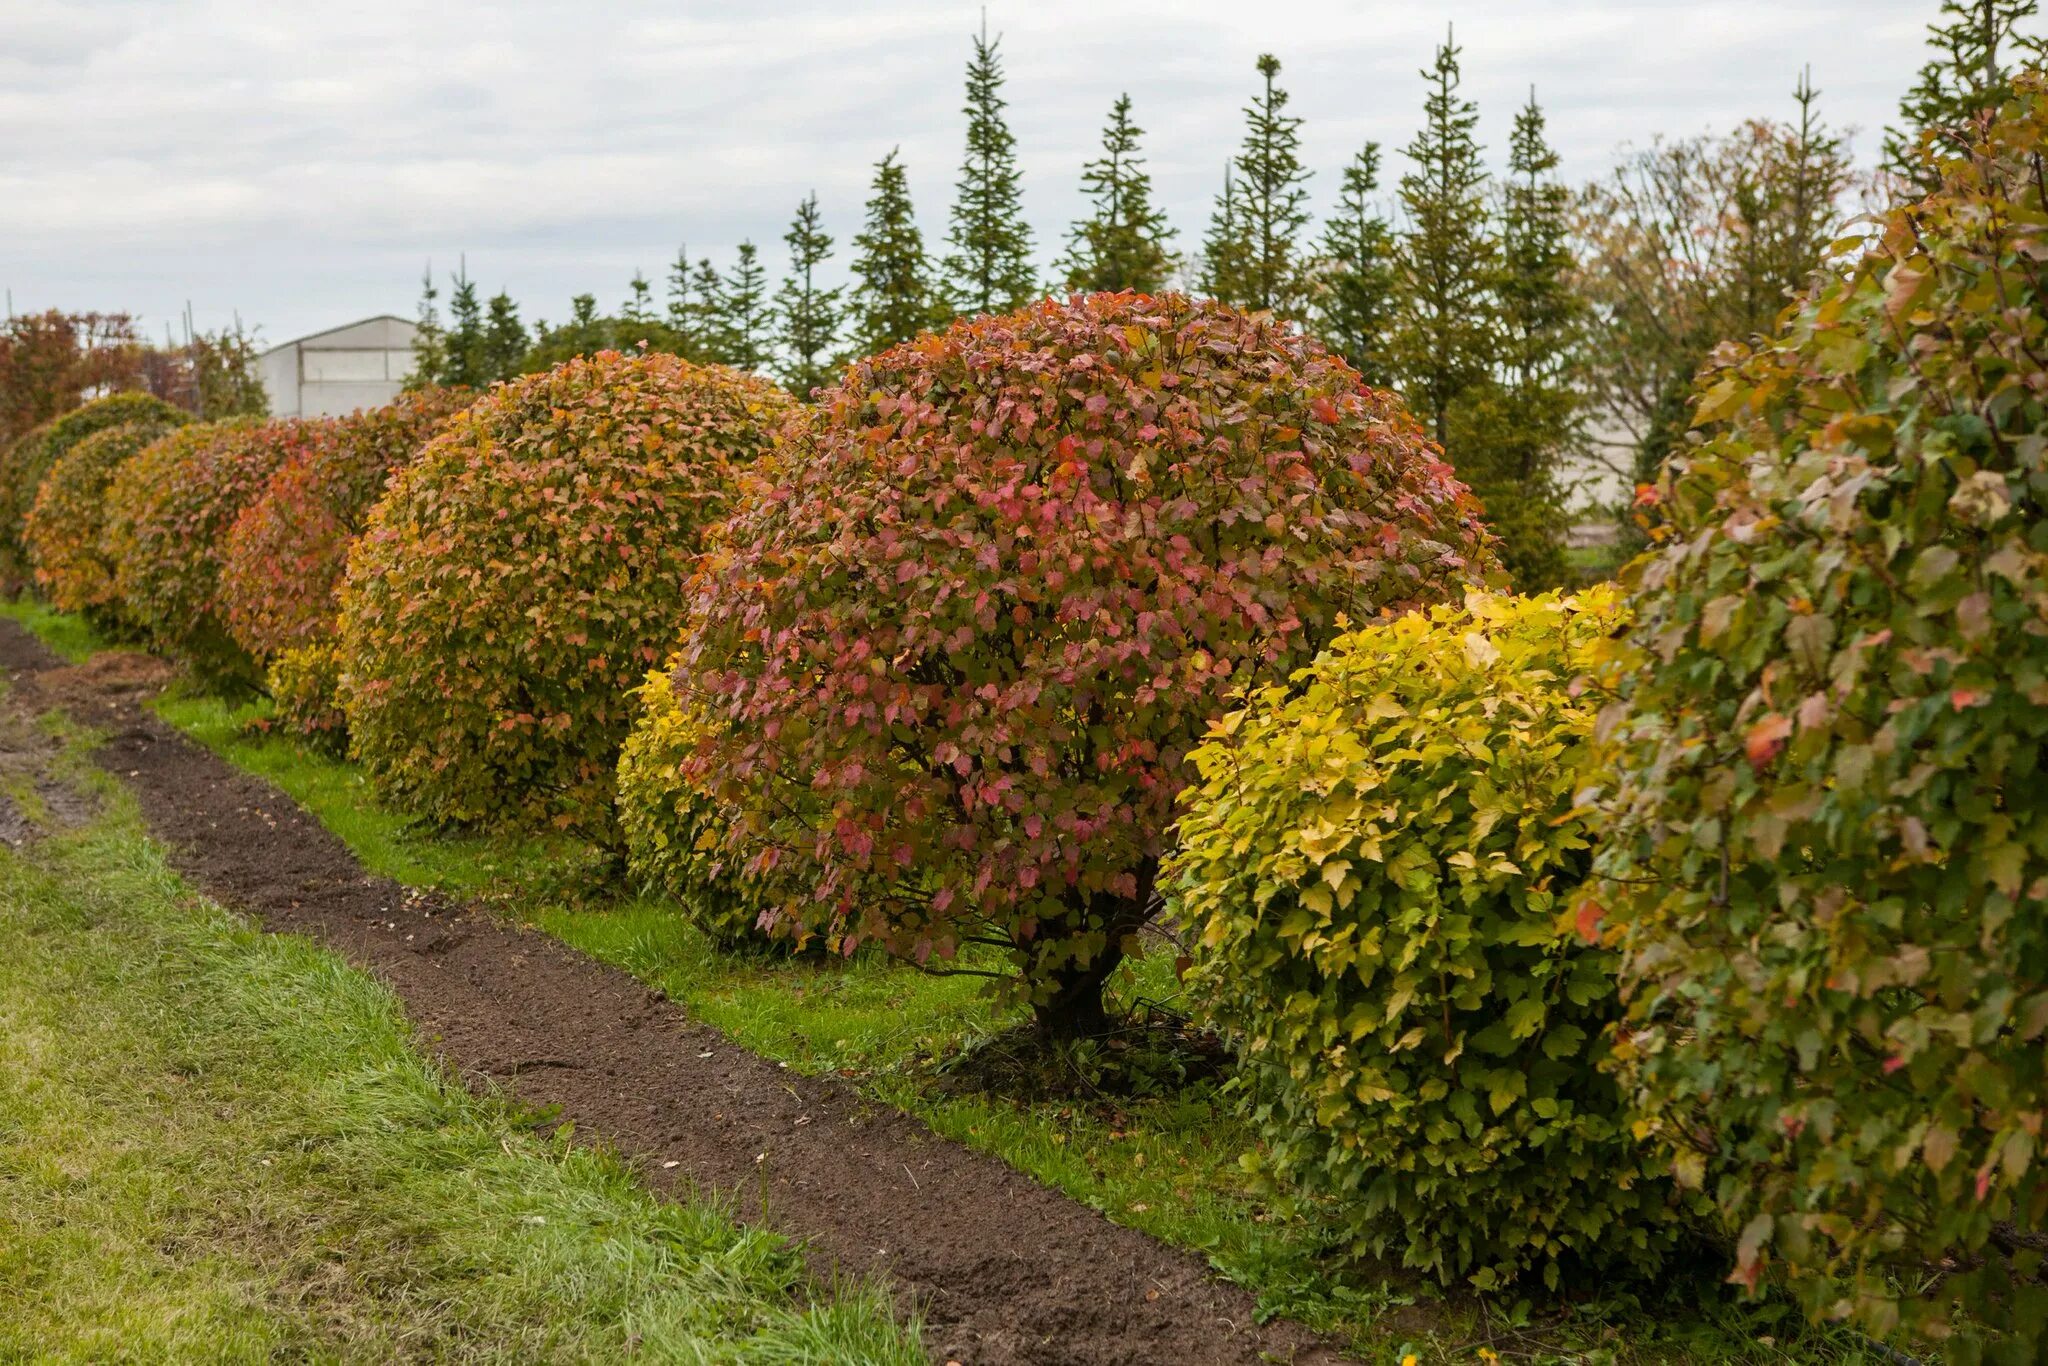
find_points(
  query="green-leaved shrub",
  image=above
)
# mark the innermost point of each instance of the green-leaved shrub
(1828, 855)
(523, 574)
(67, 524)
(23, 464)
(1380, 863)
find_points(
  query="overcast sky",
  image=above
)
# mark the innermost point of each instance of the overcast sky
(299, 163)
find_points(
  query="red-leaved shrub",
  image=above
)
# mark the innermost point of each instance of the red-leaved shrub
(950, 656)
(24, 463)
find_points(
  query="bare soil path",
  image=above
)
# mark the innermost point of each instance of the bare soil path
(1003, 1269)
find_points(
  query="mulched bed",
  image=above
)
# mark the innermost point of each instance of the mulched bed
(1002, 1268)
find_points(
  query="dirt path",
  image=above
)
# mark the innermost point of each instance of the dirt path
(1004, 1269)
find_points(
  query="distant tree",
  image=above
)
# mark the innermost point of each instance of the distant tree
(505, 339)
(807, 316)
(893, 297)
(1442, 326)
(1353, 292)
(223, 380)
(1226, 250)
(681, 312)
(429, 338)
(1979, 50)
(989, 269)
(1122, 243)
(585, 334)
(746, 319)
(51, 362)
(1270, 210)
(638, 311)
(465, 339)
(707, 335)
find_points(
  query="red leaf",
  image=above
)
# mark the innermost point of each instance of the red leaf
(1766, 740)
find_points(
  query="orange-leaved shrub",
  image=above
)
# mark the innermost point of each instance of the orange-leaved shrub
(984, 604)
(288, 549)
(522, 575)
(68, 521)
(25, 462)
(168, 513)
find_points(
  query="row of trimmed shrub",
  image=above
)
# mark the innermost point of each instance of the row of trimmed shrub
(1552, 931)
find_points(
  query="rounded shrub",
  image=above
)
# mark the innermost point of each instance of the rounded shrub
(304, 682)
(522, 575)
(23, 464)
(1374, 863)
(168, 513)
(1828, 856)
(68, 520)
(980, 608)
(288, 549)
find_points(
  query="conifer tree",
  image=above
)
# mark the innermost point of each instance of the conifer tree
(744, 323)
(1980, 47)
(505, 339)
(639, 307)
(1226, 250)
(989, 269)
(1442, 329)
(465, 341)
(1355, 287)
(807, 316)
(429, 340)
(893, 297)
(1122, 244)
(708, 315)
(1271, 207)
(681, 314)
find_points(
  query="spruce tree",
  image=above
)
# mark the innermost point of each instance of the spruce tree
(708, 315)
(505, 339)
(1271, 207)
(1355, 285)
(1122, 244)
(990, 266)
(465, 339)
(893, 298)
(681, 314)
(639, 308)
(744, 324)
(429, 341)
(1226, 250)
(1980, 48)
(1442, 327)
(807, 316)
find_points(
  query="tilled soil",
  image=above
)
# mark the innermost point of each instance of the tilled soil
(1002, 1269)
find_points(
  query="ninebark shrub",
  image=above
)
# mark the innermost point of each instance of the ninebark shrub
(68, 520)
(952, 651)
(168, 514)
(288, 550)
(1829, 850)
(520, 578)
(24, 463)
(1379, 863)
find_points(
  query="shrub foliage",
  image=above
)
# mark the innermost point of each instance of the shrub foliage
(1375, 862)
(522, 576)
(23, 464)
(168, 513)
(979, 610)
(287, 551)
(304, 681)
(1829, 858)
(68, 520)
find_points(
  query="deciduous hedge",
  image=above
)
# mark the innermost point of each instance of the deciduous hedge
(983, 605)
(1829, 858)
(168, 512)
(288, 549)
(67, 523)
(23, 464)
(1376, 863)
(522, 576)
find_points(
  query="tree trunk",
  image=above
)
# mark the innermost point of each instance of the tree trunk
(1074, 1010)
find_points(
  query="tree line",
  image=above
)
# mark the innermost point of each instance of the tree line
(1536, 329)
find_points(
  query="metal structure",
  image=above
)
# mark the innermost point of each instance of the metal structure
(327, 374)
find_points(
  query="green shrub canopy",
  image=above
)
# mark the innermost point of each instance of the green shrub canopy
(522, 575)
(23, 465)
(168, 513)
(1374, 863)
(1829, 856)
(980, 609)
(287, 551)
(68, 521)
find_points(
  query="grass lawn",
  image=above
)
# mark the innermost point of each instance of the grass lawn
(220, 1145)
(1166, 1163)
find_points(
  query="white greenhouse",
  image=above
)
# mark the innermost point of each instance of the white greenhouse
(361, 365)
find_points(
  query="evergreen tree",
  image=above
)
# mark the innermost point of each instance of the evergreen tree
(708, 315)
(1271, 208)
(807, 316)
(893, 298)
(1355, 288)
(505, 339)
(429, 341)
(990, 267)
(745, 321)
(1226, 249)
(1122, 244)
(1442, 326)
(465, 339)
(639, 309)
(681, 314)
(1980, 47)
